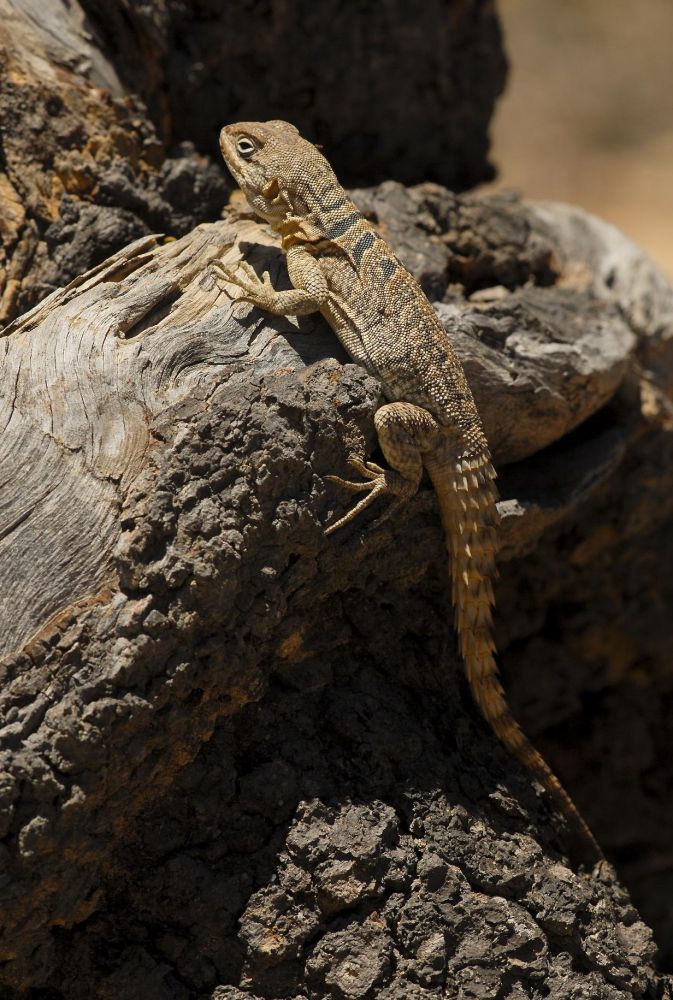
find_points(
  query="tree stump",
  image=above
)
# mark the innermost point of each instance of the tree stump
(238, 759)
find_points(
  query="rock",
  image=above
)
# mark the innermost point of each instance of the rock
(110, 115)
(252, 739)
(392, 91)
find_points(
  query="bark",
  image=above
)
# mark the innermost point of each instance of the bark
(238, 757)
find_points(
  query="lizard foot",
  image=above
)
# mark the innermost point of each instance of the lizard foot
(260, 292)
(377, 481)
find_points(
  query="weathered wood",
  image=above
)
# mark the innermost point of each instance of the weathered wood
(88, 370)
(233, 750)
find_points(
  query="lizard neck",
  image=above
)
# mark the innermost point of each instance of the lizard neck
(325, 216)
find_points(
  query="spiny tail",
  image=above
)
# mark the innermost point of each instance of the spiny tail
(467, 497)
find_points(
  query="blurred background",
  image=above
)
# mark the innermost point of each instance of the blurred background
(587, 114)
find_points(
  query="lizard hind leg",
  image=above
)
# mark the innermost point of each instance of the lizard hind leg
(404, 431)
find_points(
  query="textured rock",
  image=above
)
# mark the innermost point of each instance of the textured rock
(104, 106)
(244, 763)
(142, 332)
(83, 170)
(393, 90)
(237, 759)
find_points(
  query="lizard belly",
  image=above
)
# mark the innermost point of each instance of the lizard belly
(348, 334)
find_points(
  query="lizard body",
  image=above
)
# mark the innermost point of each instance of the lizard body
(339, 265)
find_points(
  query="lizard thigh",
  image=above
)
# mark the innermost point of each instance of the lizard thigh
(405, 432)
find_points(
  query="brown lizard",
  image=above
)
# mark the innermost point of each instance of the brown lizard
(340, 266)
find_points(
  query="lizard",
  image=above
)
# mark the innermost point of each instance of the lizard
(340, 266)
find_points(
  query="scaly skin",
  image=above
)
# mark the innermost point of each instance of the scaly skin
(340, 266)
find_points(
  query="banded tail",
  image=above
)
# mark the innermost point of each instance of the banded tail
(467, 497)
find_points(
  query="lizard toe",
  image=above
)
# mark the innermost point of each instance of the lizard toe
(385, 481)
(369, 470)
(349, 484)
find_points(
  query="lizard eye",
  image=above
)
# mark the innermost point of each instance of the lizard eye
(245, 147)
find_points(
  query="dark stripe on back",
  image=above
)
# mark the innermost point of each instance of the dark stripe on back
(328, 191)
(342, 226)
(388, 267)
(331, 206)
(365, 242)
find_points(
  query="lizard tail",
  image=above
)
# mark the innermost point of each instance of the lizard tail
(467, 496)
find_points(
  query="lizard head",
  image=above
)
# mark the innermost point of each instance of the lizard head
(279, 172)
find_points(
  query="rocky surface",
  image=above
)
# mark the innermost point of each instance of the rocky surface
(392, 90)
(83, 169)
(110, 112)
(243, 762)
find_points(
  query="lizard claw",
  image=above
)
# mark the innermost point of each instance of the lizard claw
(369, 470)
(224, 275)
(221, 270)
(377, 481)
(258, 291)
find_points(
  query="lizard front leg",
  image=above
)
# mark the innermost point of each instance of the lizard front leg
(405, 433)
(308, 294)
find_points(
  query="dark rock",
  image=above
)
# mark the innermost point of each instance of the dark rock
(391, 90)
(247, 757)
